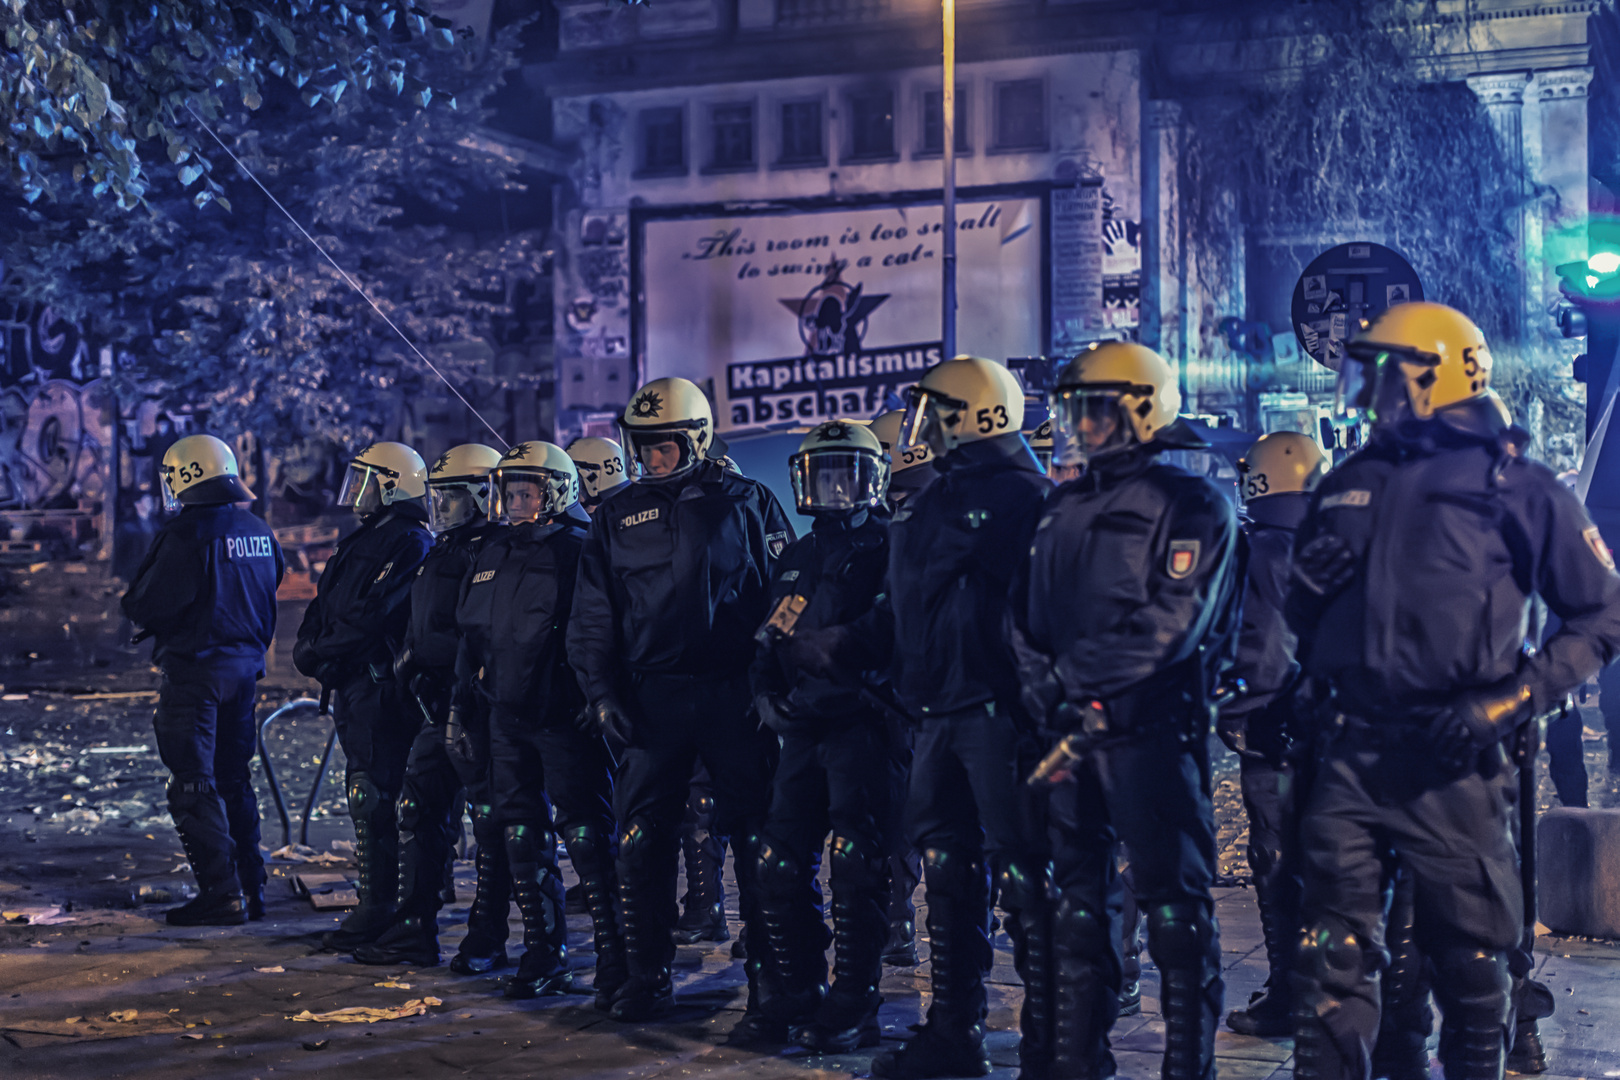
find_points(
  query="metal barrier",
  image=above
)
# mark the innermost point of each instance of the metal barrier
(275, 785)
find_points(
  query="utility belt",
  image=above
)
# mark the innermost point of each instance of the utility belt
(1402, 732)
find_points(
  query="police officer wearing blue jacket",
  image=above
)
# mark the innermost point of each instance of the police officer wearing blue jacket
(348, 641)
(1120, 622)
(206, 594)
(953, 547)
(1413, 578)
(674, 579)
(429, 810)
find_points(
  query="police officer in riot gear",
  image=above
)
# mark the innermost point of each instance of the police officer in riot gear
(1413, 575)
(206, 594)
(910, 468)
(1129, 596)
(600, 463)
(837, 771)
(1277, 476)
(348, 641)
(952, 552)
(550, 779)
(428, 809)
(673, 581)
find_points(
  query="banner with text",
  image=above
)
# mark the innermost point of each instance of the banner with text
(805, 316)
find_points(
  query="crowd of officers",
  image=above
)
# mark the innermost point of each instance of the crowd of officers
(1012, 679)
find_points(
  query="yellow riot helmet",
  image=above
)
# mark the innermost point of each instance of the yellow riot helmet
(1114, 395)
(960, 401)
(840, 466)
(1415, 359)
(534, 481)
(1281, 463)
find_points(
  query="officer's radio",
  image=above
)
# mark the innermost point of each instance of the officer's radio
(783, 618)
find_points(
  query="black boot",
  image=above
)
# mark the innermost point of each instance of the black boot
(1269, 1013)
(787, 979)
(591, 852)
(1527, 1056)
(847, 1019)
(1181, 938)
(1084, 1005)
(644, 867)
(531, 851)
(414, 937)
(901, 948)
(376, 856)
(1475, 1008)
(1405, 1017)
(951, 1041)
(412, 940)
(484, 948)
(703, 908)
(199, 818)
(1026, 898)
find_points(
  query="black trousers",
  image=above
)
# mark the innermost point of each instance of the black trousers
(428, 804)
(376, 725)
(205, 735)
(680, 720)
(547, 772)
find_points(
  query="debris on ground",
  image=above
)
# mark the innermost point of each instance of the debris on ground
(359, 1014)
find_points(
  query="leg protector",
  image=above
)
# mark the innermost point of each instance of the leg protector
(646, 866)
(1330, 964)
(905, 871)
(591, 851)
(1405, 1018)
(794, 930)
(199, 818)
(1025, 891)
(376, 855)
(860, 886)
(1475, 995)
(703, 908)
(1084, 1002)
(958, 914)
(531, 850)
(1130, 950)
(484, 947)
(1183, 941)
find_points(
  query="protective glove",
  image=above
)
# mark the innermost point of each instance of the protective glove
(585, 721)
(1476, 720)
(612, 722)
(775, 714)
(457, 743)
(1325, 565)
(816, 650)
(306, 660)
(404, 665)
(1233, 731)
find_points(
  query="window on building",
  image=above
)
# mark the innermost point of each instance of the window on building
(802, 133)
(1021, 115)
(731, 131)
(871, 124)
(933, 121)
(663, 140)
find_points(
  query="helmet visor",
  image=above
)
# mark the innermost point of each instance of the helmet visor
(659, 454)
(531, 494)
(362, 489)
(1090, 422)
(928, 413)
(1373, 382)
(171, 501)
(453, 505)
(836, 480)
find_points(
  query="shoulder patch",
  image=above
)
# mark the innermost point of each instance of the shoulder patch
(788, 575)
(1356, 497)
(1183, 558)
(1594, 540)
(384, 573)
(776, 542)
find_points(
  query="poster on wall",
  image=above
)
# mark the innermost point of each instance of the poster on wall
(801, 316)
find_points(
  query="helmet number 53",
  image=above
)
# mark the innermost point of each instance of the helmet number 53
(190, 473)
(992, 419)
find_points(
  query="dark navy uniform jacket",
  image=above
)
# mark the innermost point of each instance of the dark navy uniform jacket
(431, 634)
(1453, 533)
(675, 578)
(1132, 574)
(1266, 643)
(953, 549)
(513, 615)
(207, 588)
(839, 569)
(363, 601)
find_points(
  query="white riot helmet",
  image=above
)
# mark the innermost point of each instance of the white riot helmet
(1114, 395)
(906, 474)
(600, 463)
(960, 401)
(535, 481)
(667, 411)
(458, 485)
(200, 470)
(840, 466)
(381, 475)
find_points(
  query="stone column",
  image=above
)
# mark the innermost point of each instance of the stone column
(1164, 269)
(1556, 160)
(1503, 97)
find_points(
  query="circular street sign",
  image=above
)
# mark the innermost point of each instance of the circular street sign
(1344, 286)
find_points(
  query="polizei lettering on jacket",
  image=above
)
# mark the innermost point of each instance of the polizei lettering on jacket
(247, 547)
(638, 519)
(483, 576)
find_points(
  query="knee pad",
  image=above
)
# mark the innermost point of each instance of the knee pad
(1179, 935)
(1023, 884)
(703, 805)
(780, 872)
(364, 796)
(1472, 973)
(1080, 929)
(588, 846)
(531, 844)
(1332, 955)
(951, 873)
(857, 865)
(409, 811)
(184, 795)
(637, 842)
